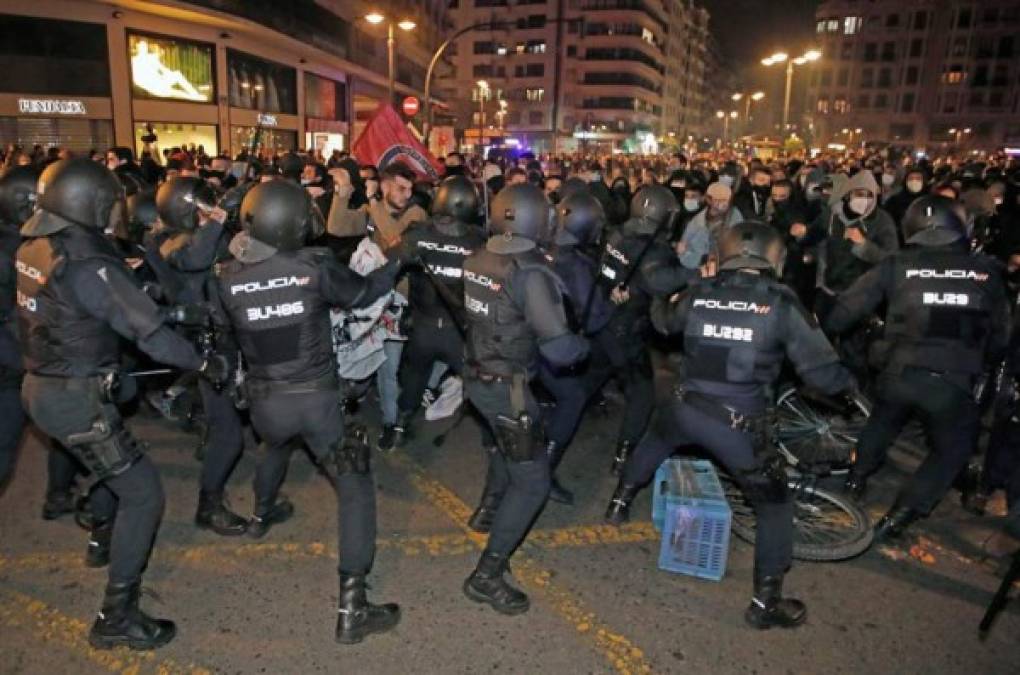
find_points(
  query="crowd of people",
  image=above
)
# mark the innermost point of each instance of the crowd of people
(293, 284)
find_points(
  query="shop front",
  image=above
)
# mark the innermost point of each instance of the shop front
(55, 89)
(325, 114)
(263, 101)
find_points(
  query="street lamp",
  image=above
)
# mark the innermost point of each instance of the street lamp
(726, 121)
(376, 18)
(781, 57)
(850, 135)
(960, 133)
(749, 98)
(483, 93)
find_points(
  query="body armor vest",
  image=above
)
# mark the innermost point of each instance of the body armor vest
(59, 338)
(939, 314)
(444, 254)
(578, 272)
(281, 321)
(499, 340)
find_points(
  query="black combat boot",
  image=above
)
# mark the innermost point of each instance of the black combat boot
(122, 623)
(359, 618)
(557, 492)
(214, 515)
(623, 450)
(58, 504)
(486, 584)
(98, 553)
(769, 608)
(266, 517)
(618, 511)
(894, 523)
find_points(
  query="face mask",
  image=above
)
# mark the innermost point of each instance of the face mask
(779, 203)
(860, 205)
(762, 189)
(554, 197)
(726, 180)
(997, 200)
(720, 207)
(915, 185)
(692, 204)
(888, 179)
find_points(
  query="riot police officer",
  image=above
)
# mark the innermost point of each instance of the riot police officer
(636, 257)
(947, 321)
(76, 300)
(515, 315)
(189, 244)
(441, 247)
(276, 294)
(17, 199)
(737, 328)
(580, 221)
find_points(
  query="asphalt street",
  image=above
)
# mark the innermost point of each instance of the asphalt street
(600, 605)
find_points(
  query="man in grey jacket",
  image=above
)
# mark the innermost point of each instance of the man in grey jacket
(704, 228)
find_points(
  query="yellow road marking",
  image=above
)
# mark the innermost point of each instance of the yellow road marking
(623, 655)
(222, 557)
(21, 611)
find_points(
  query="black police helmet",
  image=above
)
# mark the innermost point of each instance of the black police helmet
(17, 195)
(456, 199)
(76, 192)
(934, 220)
(278, 213)
(751, 244)
(291, 165)
(521, 210)
(141, 217)
(579, 219)
(180, 201)
(653, 204)
(572, 185)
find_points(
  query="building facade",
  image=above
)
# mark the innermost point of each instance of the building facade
(566, 74)
(90, 74)
(924, 73)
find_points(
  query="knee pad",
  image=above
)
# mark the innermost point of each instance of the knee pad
(106, 449)
(353, 454)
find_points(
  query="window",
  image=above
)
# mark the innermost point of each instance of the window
(976, 99)
(172, 69)
(535, 47)
(911, 75)
(959, 47)
(572, 50)
(1006, 47)
(832, 26)
(996, 99)
(43, 56)
(490, 3)
(840, 105)
(885, 77)
(843, 78)
(916, 48)
(881, 101)
(820, 26)
(534, 94)
(920, 20)
(983, 47)
(990, 16)
(867, 78)
(478, 118)
(954, 75)
(535, 117)
(963, 18)
(852, 25)
(1001, 76)
(487, 47)
(863, 101)
(532, 21)
(324, 99)
(530, 70)
(980, 77)
(482, 70)
(826, 78)
(888, 51)
(901, 131)
(949, 103)
(822, 107)
(871, 51)
(846, 51)
(892, 20)
(907, 102)
(261, 85)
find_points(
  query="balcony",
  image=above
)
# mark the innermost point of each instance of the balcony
(649, 9)
(620, 79)
(624, 54)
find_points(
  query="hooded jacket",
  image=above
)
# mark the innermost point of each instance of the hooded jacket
(840, 261)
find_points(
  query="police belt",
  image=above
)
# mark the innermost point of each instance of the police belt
(518, 382)
(258, 388)
(721, 412)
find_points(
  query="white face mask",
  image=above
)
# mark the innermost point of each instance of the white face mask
(997, 200)
(888, 179)
(726, 180)
(692, 204)
(860, 205)
(915, 185)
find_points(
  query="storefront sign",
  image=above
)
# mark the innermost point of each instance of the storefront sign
(267, 120)
(49, 106)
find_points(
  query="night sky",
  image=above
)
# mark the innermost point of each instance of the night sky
(750, 30)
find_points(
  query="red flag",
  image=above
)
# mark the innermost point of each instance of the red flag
(386, 139)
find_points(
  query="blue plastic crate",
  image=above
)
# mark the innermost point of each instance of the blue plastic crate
(695, 519)
(687, 479)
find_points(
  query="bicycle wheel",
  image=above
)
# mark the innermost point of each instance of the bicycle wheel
(815, 433)
(826, 526)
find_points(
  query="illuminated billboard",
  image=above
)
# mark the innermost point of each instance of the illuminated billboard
(166, 68)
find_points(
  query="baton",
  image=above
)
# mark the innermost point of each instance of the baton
(998, 602)
(148, 373)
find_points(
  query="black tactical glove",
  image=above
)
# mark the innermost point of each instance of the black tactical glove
(216, 369)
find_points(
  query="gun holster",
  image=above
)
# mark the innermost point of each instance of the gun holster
(518, 436)
(107, 448)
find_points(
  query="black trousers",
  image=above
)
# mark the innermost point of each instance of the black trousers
(430, 341)
(524, 485)
(224, 439)
(12, 422)
(678, 424)
(1002, 459)
(950, 418)
(62, 407)
(317, 419)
